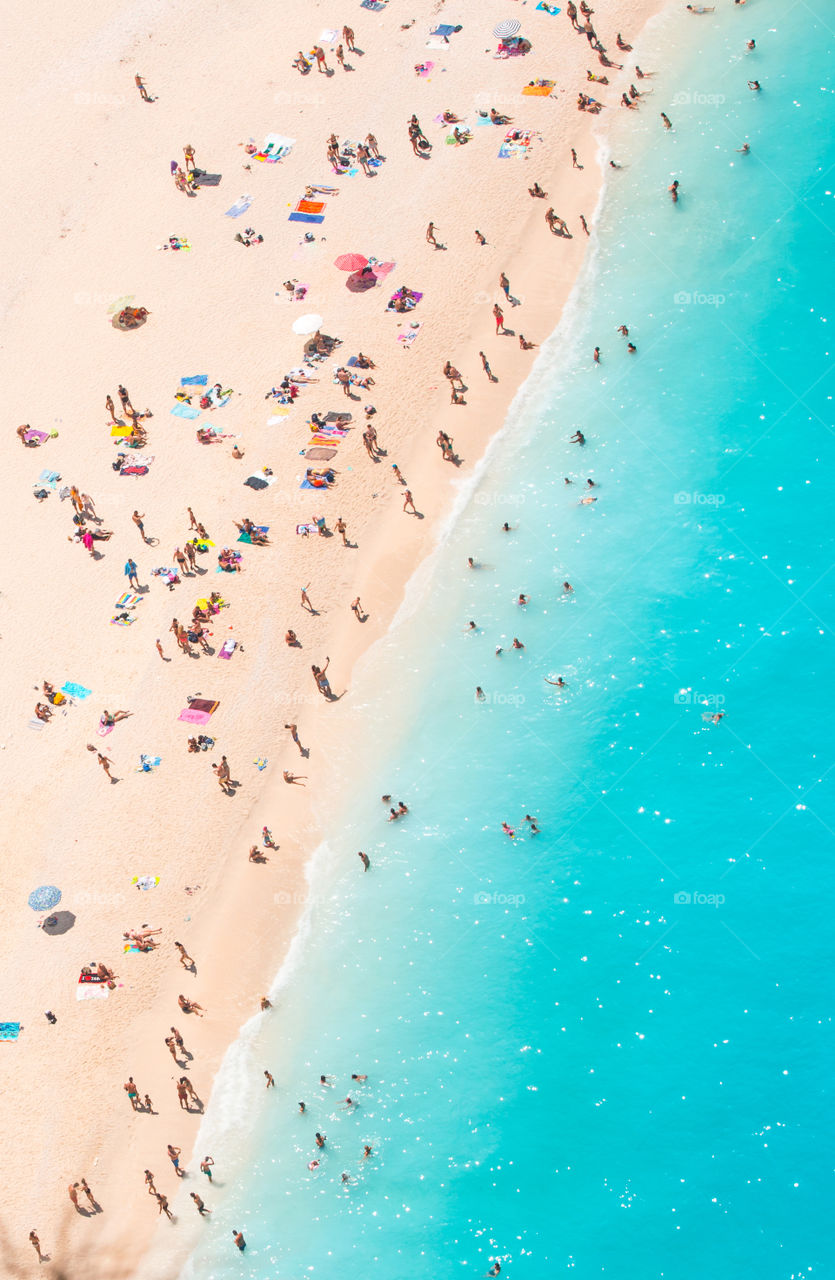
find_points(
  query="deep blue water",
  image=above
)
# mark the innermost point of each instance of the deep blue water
(603, 1048)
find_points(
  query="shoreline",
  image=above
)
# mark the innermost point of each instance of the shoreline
(386, 566)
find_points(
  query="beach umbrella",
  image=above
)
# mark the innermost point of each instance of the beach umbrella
(44, 898)
(507, 28)
(351, 262)
(307, 324)
(382, 269)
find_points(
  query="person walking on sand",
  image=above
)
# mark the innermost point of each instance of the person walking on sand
(143, 92)
(342, 528)
(162, 1201)
(357, 610)
(409, 503)
(174, 1157)
(105, 763)
(182, 1094)
(485, 364)
(36, 1244)
(499, 318)
(137, 520)
(185, 959)
(110, 407)
(452, 374)
(294, 734)
(149, 1182)
(85, 1187)
(340, 56)
(223, 774)
(132, 1092)
(373, 145)
(574, 163)
(73, 1194)
(319, 55)
(306, 600)
(504, 285)
(430, 236)
(348, 37)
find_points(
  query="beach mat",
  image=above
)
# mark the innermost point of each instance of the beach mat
(306, 217)
(209, 705)
(91, 991)
(227, 648)
(194, 717)
(9, 1030)
(538, 90)
(240, 206)
(196, 380)
(256, 482)
(310, 206)
(320, 455)
(206, 179)
(548, 8)
(185, 411)
(73, 690)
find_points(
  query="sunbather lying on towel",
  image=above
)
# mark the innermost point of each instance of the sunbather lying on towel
(319, 479)
(255, 535)
(229, 560)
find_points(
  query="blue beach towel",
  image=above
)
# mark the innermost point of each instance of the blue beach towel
(73, 690)
(9, 1030)
(185, 411)
(306, 217)
(198, 380)
(374, 5)
(548, 8)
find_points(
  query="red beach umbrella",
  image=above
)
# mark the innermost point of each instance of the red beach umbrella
(351, 262)
(382, 269)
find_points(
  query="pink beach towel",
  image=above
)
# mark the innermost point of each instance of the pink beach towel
(194, 717)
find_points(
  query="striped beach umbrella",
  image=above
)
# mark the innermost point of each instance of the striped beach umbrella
(507, 28)
(44, 898)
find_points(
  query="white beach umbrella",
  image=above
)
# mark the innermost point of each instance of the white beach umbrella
(307, 324)
(507, 28)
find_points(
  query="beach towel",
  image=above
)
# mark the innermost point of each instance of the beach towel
(310, 206)
(134, 470)
(37, 724)
(127, 601)
(91, 991)
(147, 763)
(9, 1030)
(196, 380)
(306, 217)
(47, 480)
(104, 729)
(194, 717)
(279, 412)
(548, 8)
(121, 431)
(141, 460)
(426, 70)
(541, 90)
(122, 622)
(185, 411)
(227, 648)
(40, 436)
(415, 299)
(482, 120)
(320, 455)
(329, 36)
(240, 206)
(131, 946)
(445, 31)
(411, 334)
(327, 440)
(260, 762)
(73, 690)
(334, 416)
(376, 6)
(202, 179)
(256, 482)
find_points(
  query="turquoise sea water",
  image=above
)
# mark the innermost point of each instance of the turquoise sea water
(602, 1048)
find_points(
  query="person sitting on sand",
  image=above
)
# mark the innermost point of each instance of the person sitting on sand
(449, 117)
(190, 1006)
(536, 190)
(292, 639)
(301, 63)
(229, 560)
(110, 718)
(497, 118)
(43, 712)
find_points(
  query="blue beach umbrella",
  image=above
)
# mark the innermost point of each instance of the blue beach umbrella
(44, 898)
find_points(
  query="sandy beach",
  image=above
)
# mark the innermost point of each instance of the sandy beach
(91, 210)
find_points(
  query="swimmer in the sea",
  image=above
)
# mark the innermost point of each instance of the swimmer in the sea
(559, 682)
